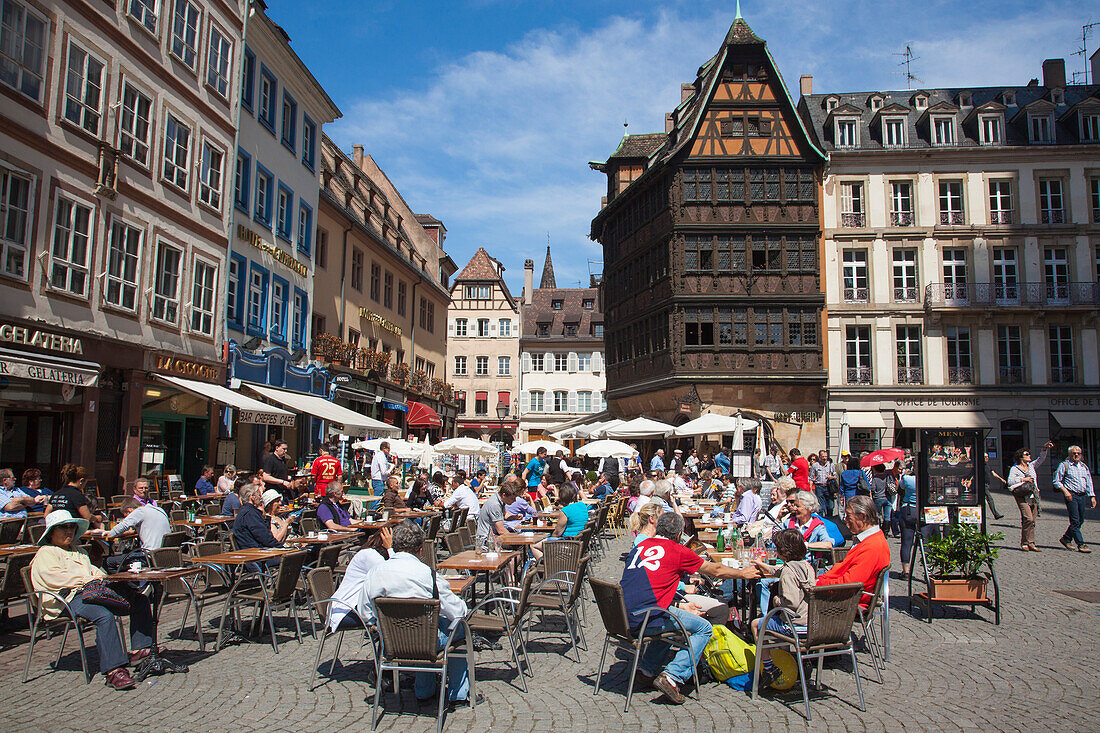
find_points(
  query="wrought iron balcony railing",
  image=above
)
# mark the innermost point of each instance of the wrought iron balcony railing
(859, 375)
(953, 295)
(910, 375)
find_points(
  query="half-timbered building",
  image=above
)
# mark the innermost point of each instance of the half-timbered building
(712, 291)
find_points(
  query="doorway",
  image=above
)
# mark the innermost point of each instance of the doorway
(1014, 435)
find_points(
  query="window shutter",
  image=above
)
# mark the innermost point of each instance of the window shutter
(526, 362)
(597, 361)
(548, 362)
(451, 326)
(492, 329)
(572, 363)
(524, 402)
(572, 401)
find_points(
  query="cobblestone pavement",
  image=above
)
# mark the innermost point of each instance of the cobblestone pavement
(1036, 671)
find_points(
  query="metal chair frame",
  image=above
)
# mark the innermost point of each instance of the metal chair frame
(324, 608)
(620, 635)
(822, 637)
(274, 592)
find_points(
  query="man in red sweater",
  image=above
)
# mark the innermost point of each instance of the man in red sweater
(800, 471)
(868, 557)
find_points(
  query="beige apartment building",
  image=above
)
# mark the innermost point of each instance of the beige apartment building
(483, 351)
(117, 125)
(380, 298)
(961, 246)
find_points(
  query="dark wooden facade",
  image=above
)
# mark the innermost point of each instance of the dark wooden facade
(711, 242)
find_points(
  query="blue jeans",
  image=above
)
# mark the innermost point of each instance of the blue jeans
(825, 500)
(679, 669)
(107, 641)
(886, 509)
(378, 486)
(764, 588)
(458, 674)
(1076, 507)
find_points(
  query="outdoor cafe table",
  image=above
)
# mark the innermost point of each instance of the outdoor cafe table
(474, 564)
(237, 558)
(524, 538)
(460, 583)
(202, 521)
(329, 538)
(155, 663)
(10, 550)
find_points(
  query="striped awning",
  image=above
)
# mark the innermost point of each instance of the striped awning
(422, 416)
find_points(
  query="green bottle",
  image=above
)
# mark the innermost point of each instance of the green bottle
(720, 545)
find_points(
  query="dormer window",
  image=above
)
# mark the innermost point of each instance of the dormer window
(920, 101)
(876, 102)
(831, 103)
(587, 304)
(556, 304)
(1009, 99)
(1041, 128)
(1057, 96)
(542, 330)
(965, 99)
(989, 129)
(1090, 126)
(893, 132)
(943, 130)
(847, 132)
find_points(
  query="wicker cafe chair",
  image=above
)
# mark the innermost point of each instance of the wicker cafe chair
(612, 607)
(270, 595)
(428, 554)
(466, 536)
(11, 530)
(12, 588)
(66, 620)
(35, 532)
(454, 543)
(433, 527)
(878, 606)
(409, 628)
(321, 588)
(309, 524)
(507, 623)
(550, 595)
(172, 557)
(832, 613)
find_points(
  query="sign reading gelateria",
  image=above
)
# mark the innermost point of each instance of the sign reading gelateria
(385, 323)
(186, 368)
(283, 258)
(41, 339)
(26, 369)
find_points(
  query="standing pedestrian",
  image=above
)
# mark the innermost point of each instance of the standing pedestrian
(1074, 480)
(800, 471)
(992, 478)
(1021, 482)
(657, 463)
(380, 467)
(823, 475)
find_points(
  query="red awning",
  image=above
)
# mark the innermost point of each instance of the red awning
(504, 398)
(481, 395)
(420, 416)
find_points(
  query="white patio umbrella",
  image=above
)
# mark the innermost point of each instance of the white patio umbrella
(427, 454)
(639, 427)
(739, 434)
(466, 447)
(760, 440)
(398, 448)
(712, 424)
(605, 449)
(596, 430)
(532, 446)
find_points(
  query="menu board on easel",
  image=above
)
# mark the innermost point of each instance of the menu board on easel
(161, 486)
(951, 479)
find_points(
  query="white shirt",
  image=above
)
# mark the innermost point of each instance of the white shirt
(679, 484)
(380, 467)
(151, 523)
(465, 498)
(405, 576)
(867, 533)
(351, 588)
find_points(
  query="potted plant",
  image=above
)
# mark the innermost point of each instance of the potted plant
(956, 561)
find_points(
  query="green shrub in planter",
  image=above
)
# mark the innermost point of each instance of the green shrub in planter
(962, 552)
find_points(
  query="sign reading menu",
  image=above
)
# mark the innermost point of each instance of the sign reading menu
(952, 467)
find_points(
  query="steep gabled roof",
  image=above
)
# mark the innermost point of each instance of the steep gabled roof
(483, 267)
(548, 280)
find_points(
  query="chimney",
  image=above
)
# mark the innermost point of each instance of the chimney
(686, 90)
(528, 280)
(357, 155)
(806, 85)
(668, 122)
(1094, 60)
(1054, 73)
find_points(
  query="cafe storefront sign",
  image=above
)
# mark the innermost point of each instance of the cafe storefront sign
(384, 323)
(12, 334)
(40, 371)
(255, 417)
(186, 368)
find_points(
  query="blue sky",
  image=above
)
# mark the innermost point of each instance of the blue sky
(485, 113)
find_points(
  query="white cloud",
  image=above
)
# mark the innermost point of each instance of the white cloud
(496, 142)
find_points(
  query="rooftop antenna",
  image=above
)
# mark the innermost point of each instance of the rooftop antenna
(1083, 52)
(909, 58)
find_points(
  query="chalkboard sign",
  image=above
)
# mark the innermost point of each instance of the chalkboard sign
(91, 487)
(161, 486)
(951, 476)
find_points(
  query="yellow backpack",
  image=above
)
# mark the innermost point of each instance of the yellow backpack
(727, 654)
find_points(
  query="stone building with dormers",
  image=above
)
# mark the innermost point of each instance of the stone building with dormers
(962, 259)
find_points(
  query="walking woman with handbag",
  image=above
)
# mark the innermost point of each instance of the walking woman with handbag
(1022, 484)
(61, 566)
